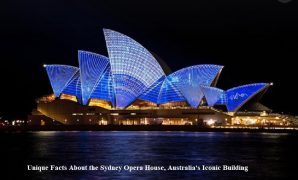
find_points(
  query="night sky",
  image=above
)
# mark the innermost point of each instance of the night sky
(256, 41)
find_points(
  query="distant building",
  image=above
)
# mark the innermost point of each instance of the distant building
(132, 86)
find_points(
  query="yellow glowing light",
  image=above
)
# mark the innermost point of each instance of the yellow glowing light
(68, 97)
(210, 122)
(100, 103)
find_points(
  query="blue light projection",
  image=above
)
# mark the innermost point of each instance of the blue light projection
(125, 92)
(188, 81)
(104, 88)
(162, 91)
(214, 96)
(237, 96)
(74, 87)
(132, 72)
(59, 76)
(169, 93)
(133, 67)
(92, 67)
(152, 93)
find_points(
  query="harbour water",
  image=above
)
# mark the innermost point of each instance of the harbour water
(148, 155)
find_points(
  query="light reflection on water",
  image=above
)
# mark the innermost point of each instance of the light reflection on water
(266, 154)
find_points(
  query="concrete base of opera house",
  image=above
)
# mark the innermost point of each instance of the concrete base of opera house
(67, 112)
(61, 114)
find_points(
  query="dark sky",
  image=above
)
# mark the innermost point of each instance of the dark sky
(256, 41)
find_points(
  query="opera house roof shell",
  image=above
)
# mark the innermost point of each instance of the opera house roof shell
(131, 72)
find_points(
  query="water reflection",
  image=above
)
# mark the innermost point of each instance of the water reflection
(266, 154)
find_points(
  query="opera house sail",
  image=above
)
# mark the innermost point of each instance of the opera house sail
(131, 84)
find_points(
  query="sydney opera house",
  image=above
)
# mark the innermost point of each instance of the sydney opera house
(133, 86)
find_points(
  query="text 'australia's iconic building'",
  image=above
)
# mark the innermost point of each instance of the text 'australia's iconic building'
(133, 86)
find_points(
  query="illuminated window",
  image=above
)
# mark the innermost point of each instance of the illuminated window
(68, 97)
(100, 103)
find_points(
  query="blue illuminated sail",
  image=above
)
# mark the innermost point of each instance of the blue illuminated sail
(169, 93)
(237, 96)
(189, 80)
(92, 67)
(104, 88)
(74, 87)
(152, 93)
(59, 76)
(214, 96)
(134, 69)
